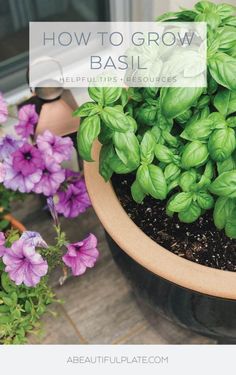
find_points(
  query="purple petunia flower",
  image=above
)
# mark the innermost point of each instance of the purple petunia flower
(2, 243)
(33, 239)
(52, 177)
(8, 145)
(3, 110)
(28, 118)
(23, 264)
(57, 147)
(27, 160)
(17, 181)
(81, 255)
(73, 201)
(2, 172)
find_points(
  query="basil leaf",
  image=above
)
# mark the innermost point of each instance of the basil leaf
(222, 211)
(171, 172)
(203, 6)
(137, 193)
(147, 148)
(163, 154)
(147, 114)
(132, 123)
(194, 155)
(225, 10)
(218, 120)
(152, 181)
(124, 98)
(205, 200)
(187, 179)
(88, 132)
(105, 95)
(223, 69)
(227, 37)
(225, 102)
(231, 121)
(221, 144)
(87, 109)
(181, 202)
(199, 130)
(135, 94)
(230, 228)
(226, 165)
(115, 119)
(106, 154)
(191, 214)
(225, 185)
(119, 167)
(170, 139)
(127, 148)
(105, 135)
(184, 117)
(211, 17)
(176, 100)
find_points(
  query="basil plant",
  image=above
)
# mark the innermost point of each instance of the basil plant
(179, 143)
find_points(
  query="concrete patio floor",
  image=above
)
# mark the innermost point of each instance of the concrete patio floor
(99, 307)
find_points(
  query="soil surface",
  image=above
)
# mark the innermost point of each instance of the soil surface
(199, 242)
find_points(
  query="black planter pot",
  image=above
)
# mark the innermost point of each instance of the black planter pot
(210, 316)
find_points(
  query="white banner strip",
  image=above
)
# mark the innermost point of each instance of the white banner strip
(108, 359)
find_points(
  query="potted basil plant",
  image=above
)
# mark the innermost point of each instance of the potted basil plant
(163, 183)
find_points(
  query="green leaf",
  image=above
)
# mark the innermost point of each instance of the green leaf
(211, 17)
(194, 155)
(147, 147)
(227, 37)
(225, 101)
(147, 114)
(191, 214)
(137, 192)
(115, 119)
(105, 156)
(223, 70)
(222, 211)
(187, 179)
(181, 202)
(231, 122)
(163, 154)
(205, 6)
(88, 132)
(87, 109)
(171, 172)
(105, 95)
(225, 185)
(225, 10)
(127, 148)
(152, 181)
(226, 165)
(176, 100)
(199, 130)
(230, 227)
(221, 144)
(6, 284)
(205, 200)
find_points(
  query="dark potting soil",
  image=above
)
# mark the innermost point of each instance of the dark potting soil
(199, 242)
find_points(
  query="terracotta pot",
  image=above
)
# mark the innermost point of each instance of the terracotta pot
(195, 296)
(16, 224)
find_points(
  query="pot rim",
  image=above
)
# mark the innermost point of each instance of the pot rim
(155, 258)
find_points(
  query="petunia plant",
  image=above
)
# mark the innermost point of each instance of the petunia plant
(178, 143)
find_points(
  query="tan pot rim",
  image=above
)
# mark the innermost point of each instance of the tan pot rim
(145, 251)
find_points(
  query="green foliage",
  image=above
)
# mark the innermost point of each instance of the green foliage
(178, 143)
(21, 308)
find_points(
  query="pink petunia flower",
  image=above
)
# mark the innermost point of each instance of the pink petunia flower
(52, 177)
(57, 147)
(3, 110)
(72, 199)
(2, 243)
(15, 180)
(33, 239)
(27, 160)
(28, 118)
(81, 255)
(8, 145)
(23, 264)
(2, 172)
